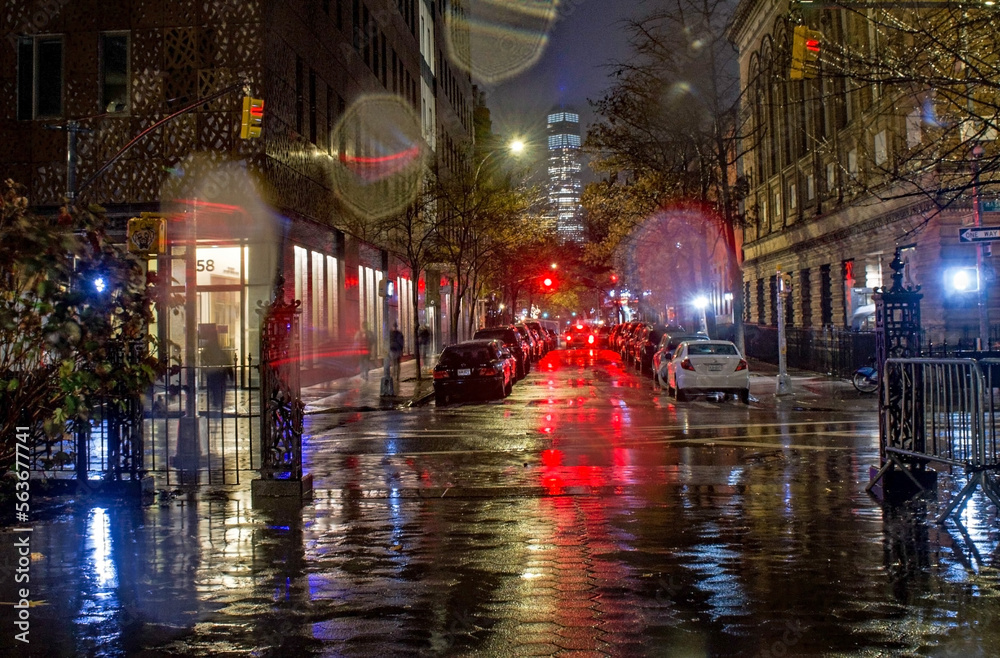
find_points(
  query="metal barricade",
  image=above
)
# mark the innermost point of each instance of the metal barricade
(939, 410)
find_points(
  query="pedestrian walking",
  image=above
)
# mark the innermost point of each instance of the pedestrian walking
(217, 372)
(396, 344)
(423, 343)
(364, 343)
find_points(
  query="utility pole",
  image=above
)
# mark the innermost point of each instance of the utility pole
(72, 129)
(784, 381)
(977, 221)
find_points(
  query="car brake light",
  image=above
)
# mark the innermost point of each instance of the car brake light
(441, 374)
(742, 365)
(590, 339)
(686, 365)
(488, 372)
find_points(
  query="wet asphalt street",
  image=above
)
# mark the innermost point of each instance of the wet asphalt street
(586, 514)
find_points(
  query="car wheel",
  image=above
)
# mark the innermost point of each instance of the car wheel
(681, 395)
(501, 390)
(521, 372)
(509, 389)
(745, 396)
(440, 399)
(656, 381)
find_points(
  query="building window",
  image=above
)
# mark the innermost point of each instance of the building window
(881, 148)
(852, 163)
(810, 187)
(825, 296)
(772, 299)
(312, 106)
(805, 298)
(788, 305)
(913, 128)
(39, 77)
(831, 177)
(760, 301)
(792, 197)
(114, 72)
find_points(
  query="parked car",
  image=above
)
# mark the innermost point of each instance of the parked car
(644, 345)
(473, 369)
(533, 341)
(665, 351)
(629, 357)
(704, 366)
(513, 340)
(547, 344)
(578, 336)
(601, 336)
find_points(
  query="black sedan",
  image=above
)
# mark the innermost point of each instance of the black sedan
(510, 337)
(474, 369)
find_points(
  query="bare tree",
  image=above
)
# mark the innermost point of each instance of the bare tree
(670, 129)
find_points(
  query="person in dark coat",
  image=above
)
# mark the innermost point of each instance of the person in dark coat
(217, 371)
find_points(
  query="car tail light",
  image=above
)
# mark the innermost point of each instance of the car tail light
(686, 365)
(742, 365)
(590, 339)
(488, 372)
(441, 374)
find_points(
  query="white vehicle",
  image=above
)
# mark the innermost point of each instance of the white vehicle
(705, 366)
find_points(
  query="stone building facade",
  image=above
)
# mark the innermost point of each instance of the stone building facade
(826, 203)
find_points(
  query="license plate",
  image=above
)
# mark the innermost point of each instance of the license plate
(464, 372)
(715, 368)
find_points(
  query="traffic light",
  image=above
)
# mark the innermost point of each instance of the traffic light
(253, 118)
(547, 283)
(805, 53)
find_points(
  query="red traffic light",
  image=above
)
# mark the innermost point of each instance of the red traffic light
(547, 282)
(614, 278)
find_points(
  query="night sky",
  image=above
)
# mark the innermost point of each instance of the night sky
(573, 67)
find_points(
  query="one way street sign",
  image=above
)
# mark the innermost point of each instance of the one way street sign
(979, 234)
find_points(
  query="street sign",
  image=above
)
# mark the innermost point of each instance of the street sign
(990, 205)
(979, 234)
(146, 235)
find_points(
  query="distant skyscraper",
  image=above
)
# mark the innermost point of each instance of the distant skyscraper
(564, 174)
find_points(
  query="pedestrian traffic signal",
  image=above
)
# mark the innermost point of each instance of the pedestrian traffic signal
(806, 45)
(253, 118)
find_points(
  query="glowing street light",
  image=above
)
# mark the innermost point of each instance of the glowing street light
(701, 303)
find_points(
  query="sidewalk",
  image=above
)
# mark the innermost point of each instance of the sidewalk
(811, 390)
(356, 394)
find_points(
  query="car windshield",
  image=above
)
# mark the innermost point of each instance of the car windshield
(712, 348)
(677, 340)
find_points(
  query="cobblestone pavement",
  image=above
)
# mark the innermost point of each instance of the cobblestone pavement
(584, 515)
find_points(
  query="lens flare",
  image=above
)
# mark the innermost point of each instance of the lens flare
(494, 40)
(379, 156)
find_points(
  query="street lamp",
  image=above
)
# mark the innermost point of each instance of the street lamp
(701, 303)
